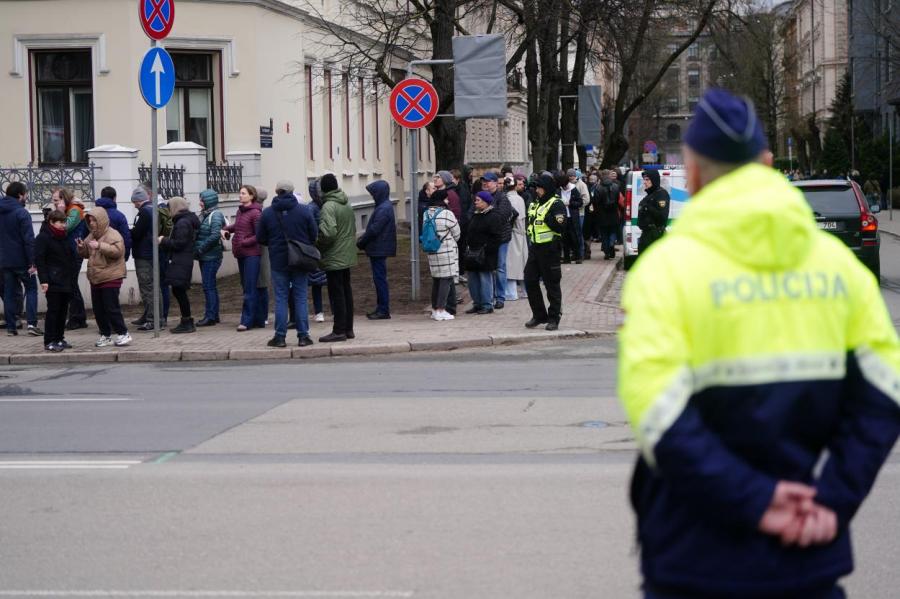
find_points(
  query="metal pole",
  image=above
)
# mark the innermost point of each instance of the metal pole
(154, 185)
(891, 162)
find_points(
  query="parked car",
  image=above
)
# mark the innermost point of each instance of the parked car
(841, 209)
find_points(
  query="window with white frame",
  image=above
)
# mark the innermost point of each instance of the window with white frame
(64, 100)
(191, 114)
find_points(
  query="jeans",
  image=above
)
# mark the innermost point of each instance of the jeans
(55, 320)
(107, 311)
(12, 278)
(341, 296)
(500, 274)
(608, 240)
(208, 270)
(290, 283)
(248, 266)
(481, 288)
(379, 277)
(262, 307)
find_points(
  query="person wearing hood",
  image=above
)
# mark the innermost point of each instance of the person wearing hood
(209, 250)
(287, 219)
(247, 251)
(545, 227)
(379, 241)
(17, 258)
(337, 241)
(117, 220)
(76, 228)
(53, 256)
(104, 250)
(179, 248)
(760, 371)
(653, 211)
(485, 237)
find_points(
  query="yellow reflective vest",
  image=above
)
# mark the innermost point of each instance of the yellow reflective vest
(538, 231)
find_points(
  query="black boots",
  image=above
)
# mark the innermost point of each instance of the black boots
(185, 326)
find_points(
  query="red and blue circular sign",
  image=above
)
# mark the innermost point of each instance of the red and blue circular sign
(414, 103)
(157, 17)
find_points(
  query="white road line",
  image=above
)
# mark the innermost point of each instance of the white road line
(186, 593)
(67, 464)
(61, 467)
(65, 399)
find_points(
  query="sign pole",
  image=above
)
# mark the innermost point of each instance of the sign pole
(154, 201)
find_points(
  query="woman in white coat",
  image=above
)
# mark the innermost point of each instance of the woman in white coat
(444, 263)
(517, 254)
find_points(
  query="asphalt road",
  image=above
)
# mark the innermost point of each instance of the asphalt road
(471, 474)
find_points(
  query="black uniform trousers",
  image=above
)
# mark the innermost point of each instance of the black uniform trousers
(543, 264)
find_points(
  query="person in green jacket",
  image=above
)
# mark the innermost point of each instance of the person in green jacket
(208, 249)
(337, 242)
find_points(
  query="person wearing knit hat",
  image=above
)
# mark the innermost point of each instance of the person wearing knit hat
(544, 228)
(444, 180)
(142, 250)
(763, 406)
(481, 254)
(328, 183)
(337, 242)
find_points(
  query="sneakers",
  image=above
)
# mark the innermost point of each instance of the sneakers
(54, 347)
(103, 341)
(320, 317)
(276, 341)
(241, 328)
(65, 344)
(34, 331)
(442, 315)
(122, 340)
(305, 341)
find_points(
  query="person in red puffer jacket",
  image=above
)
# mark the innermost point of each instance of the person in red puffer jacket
(247, 251)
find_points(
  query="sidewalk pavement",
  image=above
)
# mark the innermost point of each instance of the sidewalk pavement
(584, 315)
(886, 225)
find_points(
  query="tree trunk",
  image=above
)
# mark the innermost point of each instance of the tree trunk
(569, 134)
(449, 134)
(548, 43)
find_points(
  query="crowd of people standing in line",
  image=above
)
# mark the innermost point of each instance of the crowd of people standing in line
(500, 234)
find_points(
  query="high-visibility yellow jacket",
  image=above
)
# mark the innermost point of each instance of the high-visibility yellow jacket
(753, 343)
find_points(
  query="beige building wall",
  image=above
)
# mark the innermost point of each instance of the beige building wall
(259, 50)
(822, 58)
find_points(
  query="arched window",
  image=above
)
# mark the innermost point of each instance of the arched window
(673, 132)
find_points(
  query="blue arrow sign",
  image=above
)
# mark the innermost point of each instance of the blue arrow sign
(157, 77)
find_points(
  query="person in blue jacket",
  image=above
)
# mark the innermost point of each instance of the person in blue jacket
(117, 220)
(380, 243)
(17, 257)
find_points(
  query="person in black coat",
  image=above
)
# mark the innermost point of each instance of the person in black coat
(54, 258)
(179, 246)
(607, 214)
(483, 243)
(653, 211)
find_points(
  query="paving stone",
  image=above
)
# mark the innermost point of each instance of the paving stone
(538, 335)
(203, 355)
(4, 358)
(369, 350)
(312, 351)
(260, 354)
(450, 344)
(66, 357)
(164, 355)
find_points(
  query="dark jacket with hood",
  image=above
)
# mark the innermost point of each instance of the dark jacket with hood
(606, 210)
(208, 246)
(380, 238)
(296, 221)
(653, 211)
(16, 235)
(117, 221)
(505, 214)
(142, 232)
(180, 248)
(485, 231)
(54, 257)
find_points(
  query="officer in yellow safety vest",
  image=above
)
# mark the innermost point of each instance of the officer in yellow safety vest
(545, 225)
(760, 371)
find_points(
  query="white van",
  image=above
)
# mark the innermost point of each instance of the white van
(672, 180)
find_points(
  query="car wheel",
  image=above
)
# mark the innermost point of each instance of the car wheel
(629, 261)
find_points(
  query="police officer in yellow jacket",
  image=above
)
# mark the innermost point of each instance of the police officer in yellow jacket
(545, 224)
(760, 371)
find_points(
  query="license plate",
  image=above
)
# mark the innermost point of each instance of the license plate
(828, 225)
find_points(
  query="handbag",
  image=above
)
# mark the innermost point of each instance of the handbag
(301, 256)
(474, 259)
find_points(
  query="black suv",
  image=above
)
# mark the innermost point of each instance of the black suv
(841, 209)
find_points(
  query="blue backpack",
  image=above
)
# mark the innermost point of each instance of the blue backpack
(429, 239)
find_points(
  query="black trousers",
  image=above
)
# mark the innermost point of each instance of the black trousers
(443, 294)
(77, 313)
(184, 304)
(107, 311)
(341, 296)
(543, 264)
(55, 320)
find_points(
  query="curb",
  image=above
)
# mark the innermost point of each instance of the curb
(298, 353)
(891, 233)
(599, 289)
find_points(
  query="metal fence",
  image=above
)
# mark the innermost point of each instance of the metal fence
(171, 180)
(224, 178)
(42, 180)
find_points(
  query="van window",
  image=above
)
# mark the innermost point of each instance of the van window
(832, 201)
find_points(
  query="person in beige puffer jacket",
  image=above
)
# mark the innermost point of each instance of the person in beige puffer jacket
(104, 249)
